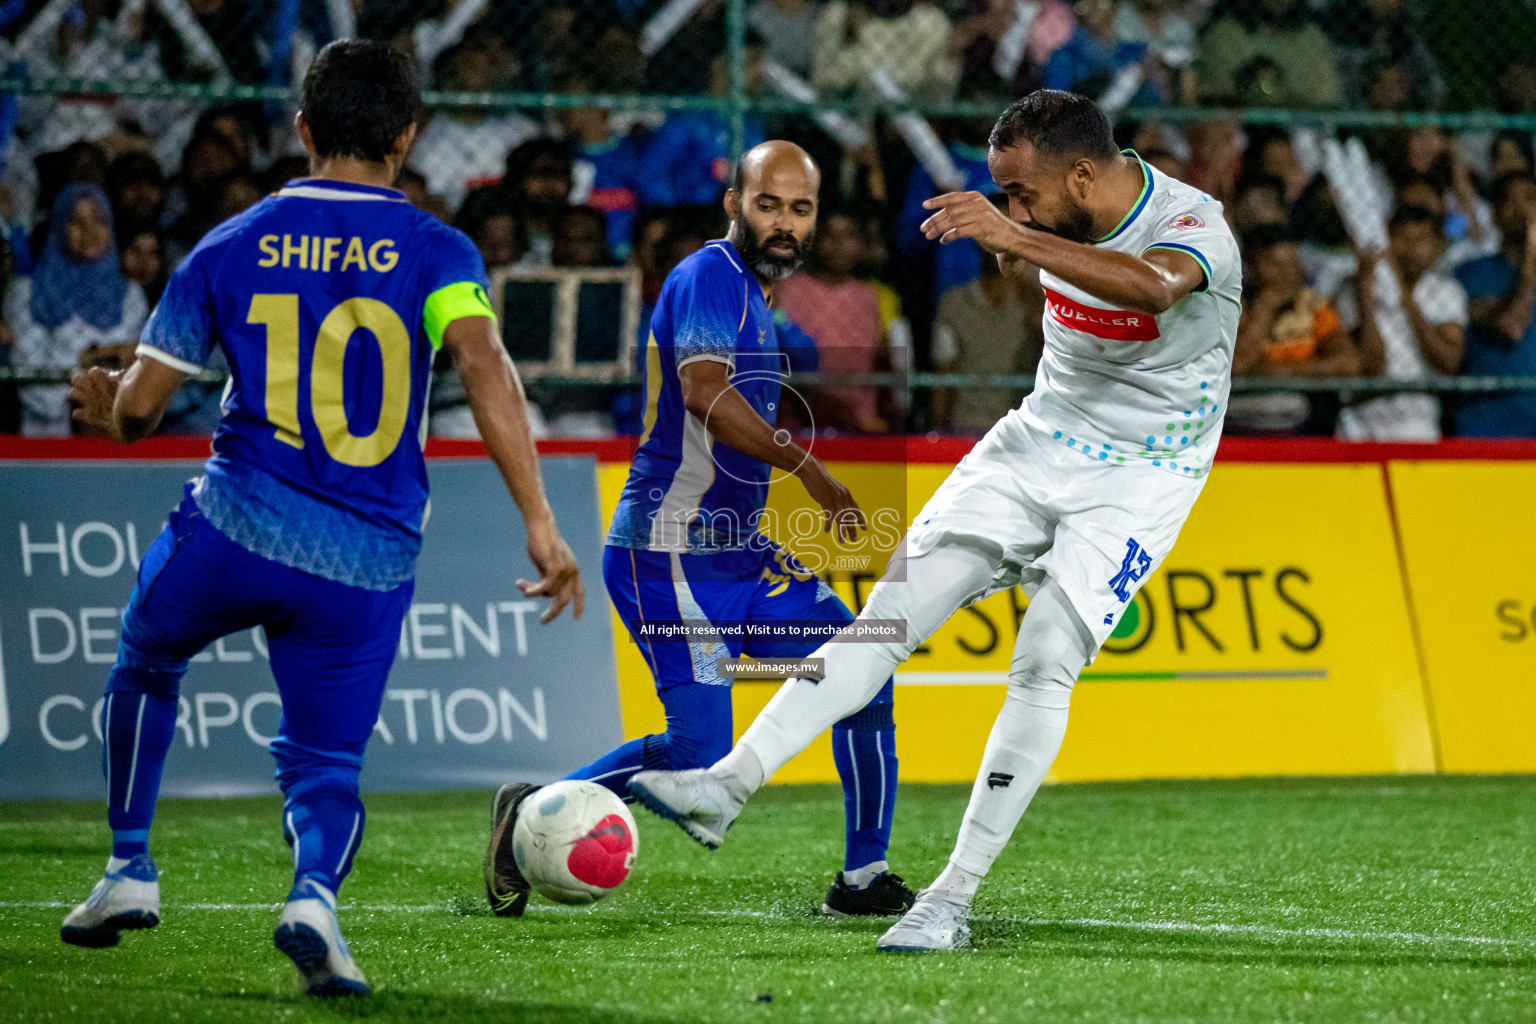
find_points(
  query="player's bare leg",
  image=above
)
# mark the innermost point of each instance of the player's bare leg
(705, 801)
(1052, 648)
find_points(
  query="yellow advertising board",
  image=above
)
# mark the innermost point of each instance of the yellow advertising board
(1472, 580)
(1275, 640)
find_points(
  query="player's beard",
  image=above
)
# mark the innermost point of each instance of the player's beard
(1076, 226)
(754, 250)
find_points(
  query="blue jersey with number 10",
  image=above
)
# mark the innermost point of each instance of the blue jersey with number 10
(329, 301)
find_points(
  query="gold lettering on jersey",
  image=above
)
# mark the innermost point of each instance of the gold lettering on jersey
(383, 261)
(268, 246)
(315, 252)
(299, 251)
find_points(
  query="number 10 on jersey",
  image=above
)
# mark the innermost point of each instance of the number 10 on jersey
(280, 315)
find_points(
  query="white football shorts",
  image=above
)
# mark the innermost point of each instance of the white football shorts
(1048, 508)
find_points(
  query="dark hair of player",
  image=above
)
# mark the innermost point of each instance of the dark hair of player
(1405, 215)
(1057, 124)
(359, 96)
(1499, 192)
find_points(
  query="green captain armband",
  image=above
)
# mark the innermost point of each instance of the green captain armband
(453, 302)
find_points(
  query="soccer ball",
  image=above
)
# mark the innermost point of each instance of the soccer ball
(574, 841)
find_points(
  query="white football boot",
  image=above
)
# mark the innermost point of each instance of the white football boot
(696, 799)
(935, 922)
(308, 934)
(124, 899)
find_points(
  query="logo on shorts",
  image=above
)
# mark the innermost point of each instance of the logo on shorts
(1186, 222)
(998, 780)
(1136, 564)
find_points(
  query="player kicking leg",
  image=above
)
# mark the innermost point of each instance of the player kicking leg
(685, 544)
(1078, 495)
(301, 524)
(699, 721)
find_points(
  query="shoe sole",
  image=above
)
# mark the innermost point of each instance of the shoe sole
(963, 942)
(309, 953)
(828, 910)
(105, 935)
(698, 833)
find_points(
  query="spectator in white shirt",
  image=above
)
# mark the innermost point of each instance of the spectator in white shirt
(908, 40)
(788, 28)
(1168, 39)
(1411, 322)
(462, 148)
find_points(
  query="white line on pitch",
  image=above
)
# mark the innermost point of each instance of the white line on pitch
(1263, 930)
(1266, 931)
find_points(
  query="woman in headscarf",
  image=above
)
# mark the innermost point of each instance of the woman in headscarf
(77, 298)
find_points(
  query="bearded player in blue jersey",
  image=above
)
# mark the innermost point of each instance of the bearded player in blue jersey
(329, 299)
(685, 543)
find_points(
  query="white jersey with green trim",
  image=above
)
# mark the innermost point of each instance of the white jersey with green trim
(1129, 387)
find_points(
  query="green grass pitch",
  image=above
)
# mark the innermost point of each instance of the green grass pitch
(1316, 900)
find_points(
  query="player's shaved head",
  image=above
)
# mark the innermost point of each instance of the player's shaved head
(775, 159)
(772, 206)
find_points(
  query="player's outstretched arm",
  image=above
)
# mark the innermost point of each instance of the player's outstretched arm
(496, 399)
(125, 405)
(1149, 283)
(731, 420)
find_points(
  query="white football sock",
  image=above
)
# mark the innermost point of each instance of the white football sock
(741, 772)
(936, 583)
(1052, 648)
(861, 878)
(956, 882)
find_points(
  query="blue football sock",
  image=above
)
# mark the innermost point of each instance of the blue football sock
(615, 768)
(137, 728)
(864, 749)
(324, 828)
(323, 815)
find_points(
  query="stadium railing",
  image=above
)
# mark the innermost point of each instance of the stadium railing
(648, 60)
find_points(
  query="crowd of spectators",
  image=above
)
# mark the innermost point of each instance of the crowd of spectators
(101, 194)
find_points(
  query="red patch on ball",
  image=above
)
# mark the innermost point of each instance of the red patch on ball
(602, 856)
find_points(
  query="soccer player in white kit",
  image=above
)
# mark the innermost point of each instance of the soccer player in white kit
(1077, 495)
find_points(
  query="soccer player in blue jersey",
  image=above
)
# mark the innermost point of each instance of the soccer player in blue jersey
(686, 544)
(329, 299)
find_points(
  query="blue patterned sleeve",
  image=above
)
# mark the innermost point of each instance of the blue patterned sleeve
(708, 308)
(179, 332)
(453, 259)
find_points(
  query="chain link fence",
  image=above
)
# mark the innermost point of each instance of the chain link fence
(574, 139)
